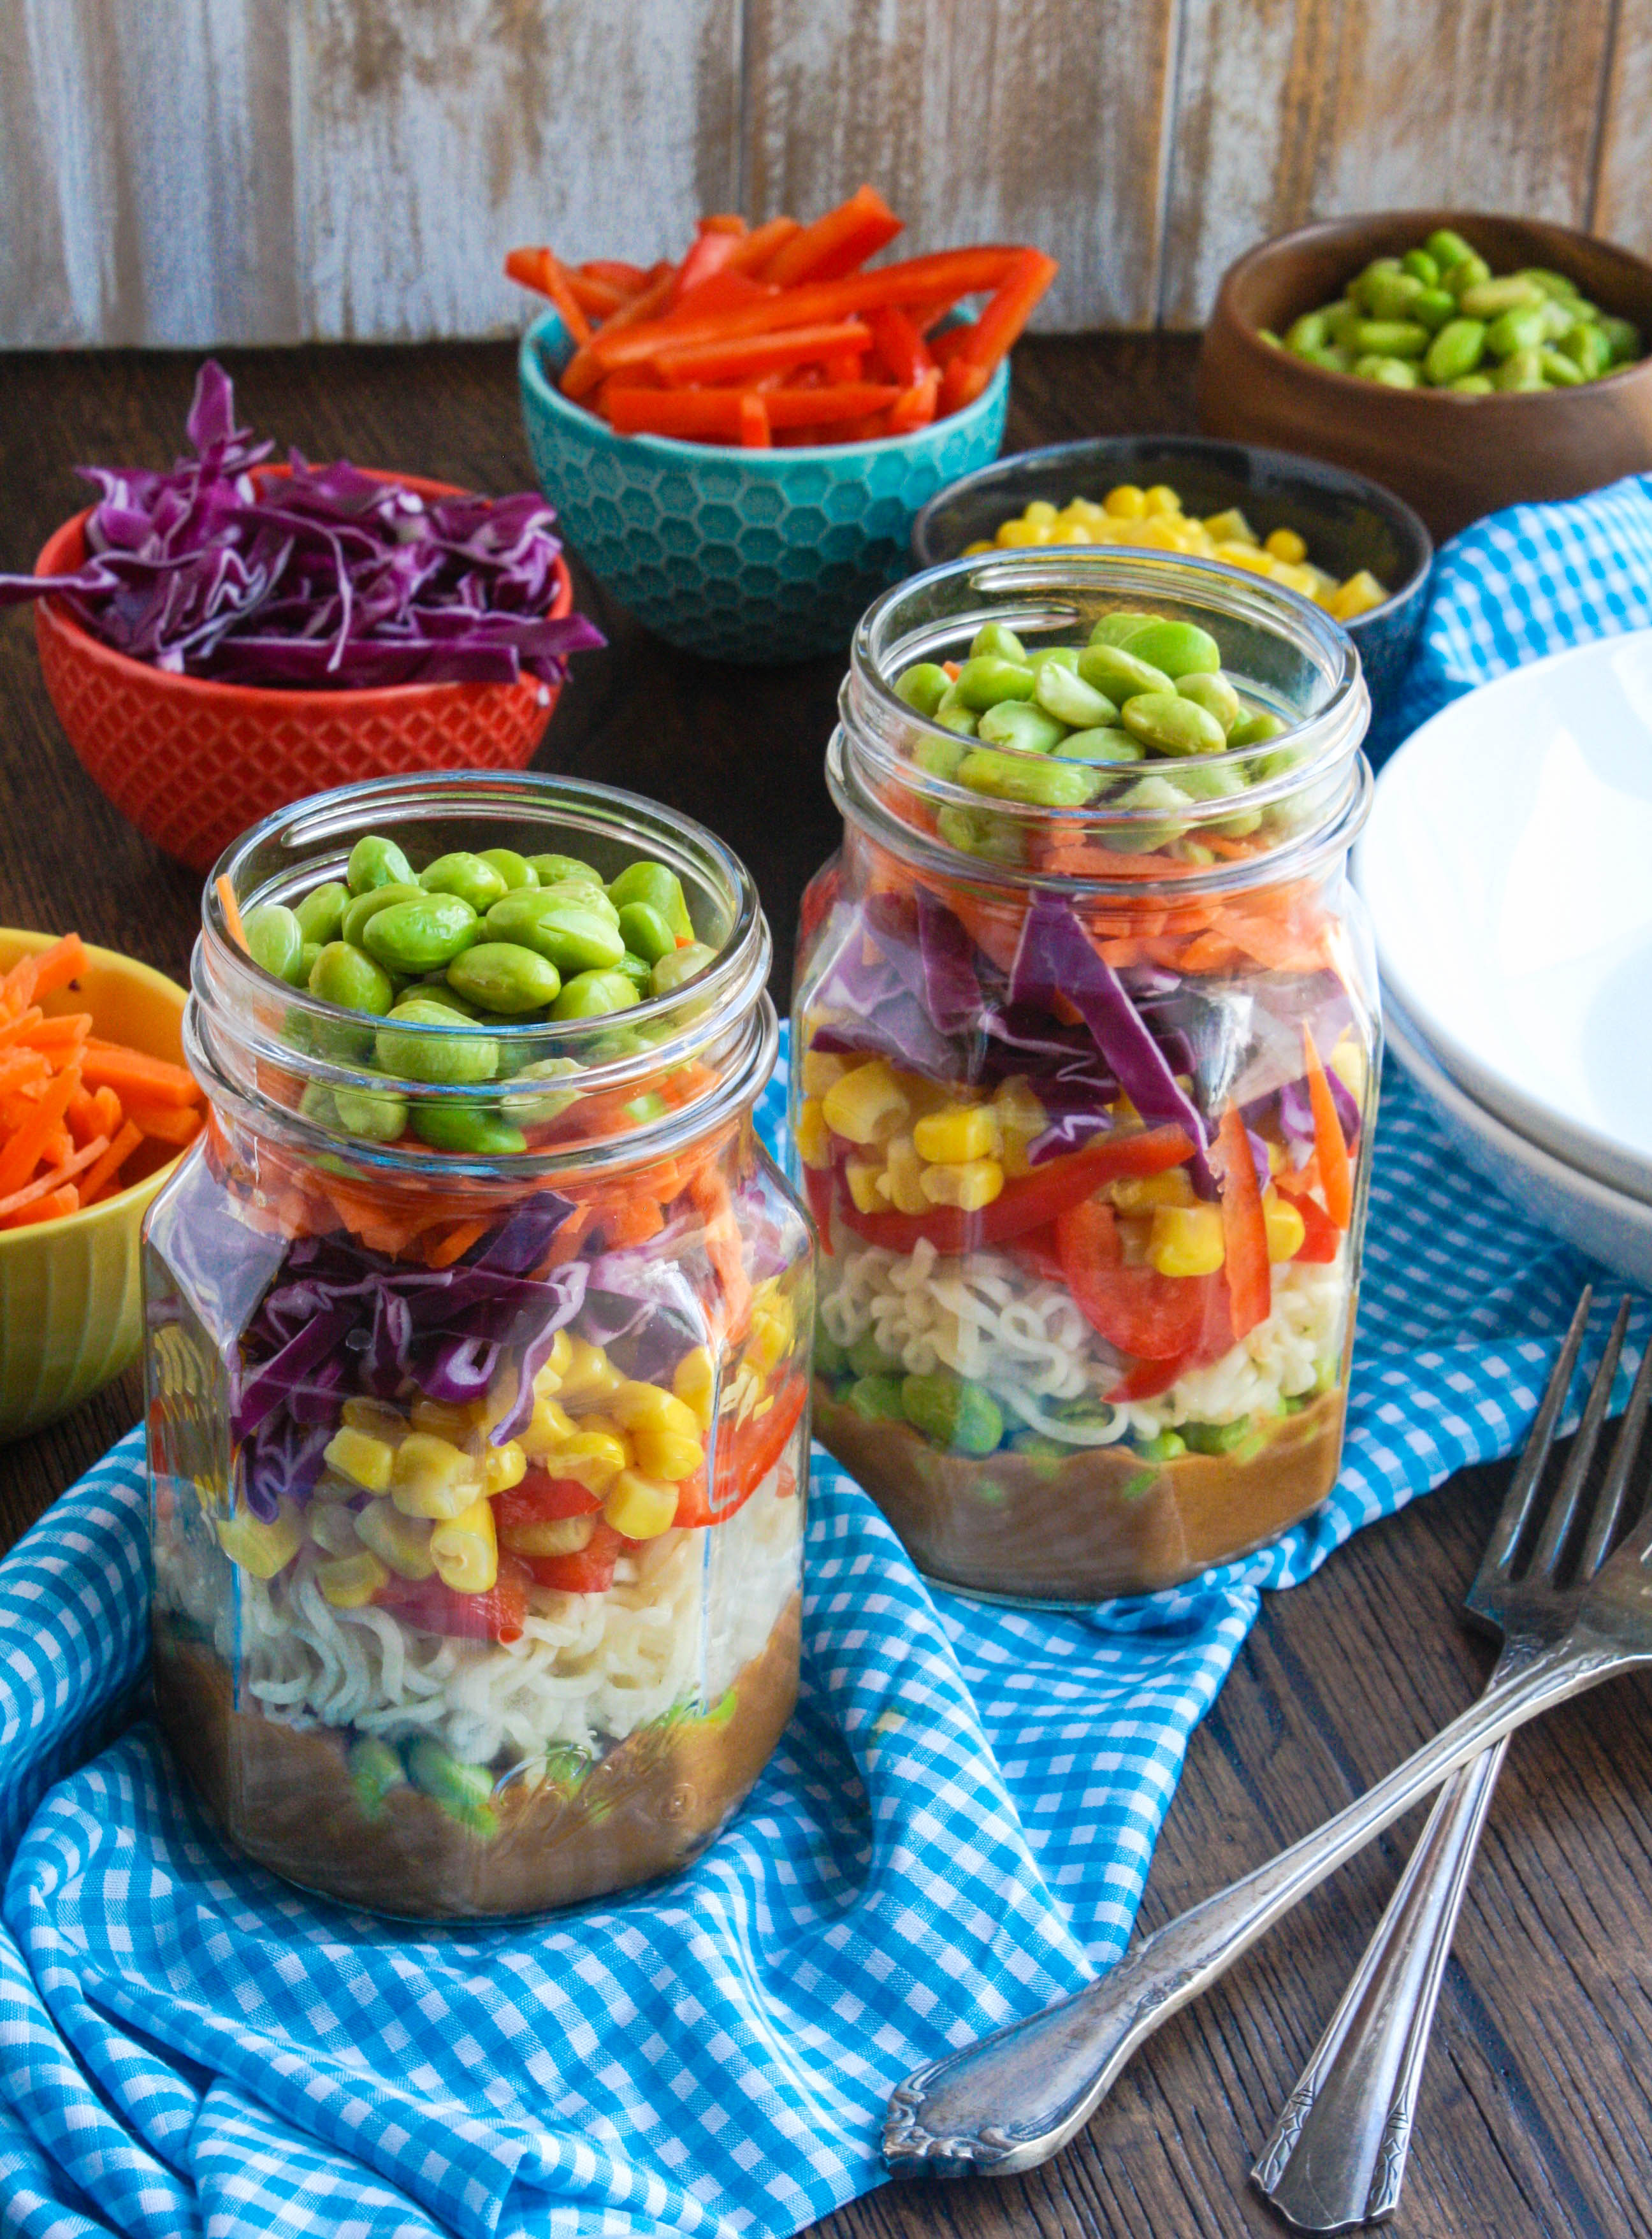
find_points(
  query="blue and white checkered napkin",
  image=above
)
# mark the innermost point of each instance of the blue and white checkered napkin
(955, 1830)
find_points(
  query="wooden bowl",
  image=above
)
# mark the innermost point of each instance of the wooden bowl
(1452, 458)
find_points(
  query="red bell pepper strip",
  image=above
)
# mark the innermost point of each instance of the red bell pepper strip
(973, 363)
(714, 414)
(540, 268)
(710, 253)
(755, 431)
(758, 354)
(1321, 1239)
(761, 242)
(747, 1452)
(1040, 1252)
(582, 372)
(615, 273)
(837, 243)
(1147, 1315)
(598, 298)
(429, 1606)
(1331, 1147)
(916, 407)
(817, 1181)
(589, 1572)
(729, 222)
(902, 351)
(1245, 1229)
(1028, 1202)
(541, 1498)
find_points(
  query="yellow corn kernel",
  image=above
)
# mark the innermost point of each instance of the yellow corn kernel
(955, 1132)
(352, 1581)
(1012, 533)
(1041, 511)
(548, 1382)
(666, 1453)
(549, 1426)
(503, 1467)
(1248, 556)
(592, 1458)
(1324, 583)
(590, 1377)
(365, 1460)
(639, 1507)
(553, 1534)
(1185, 1240)
(1086, 509)
(814, 1136)
(1127, 503)
(1285, 544)
(979, 545)
(1348, 1063)
(430, 1476)
(1231, 528)
(1157, 533)
(332, 1527)
(901, 1181)
(862, 1177)
(823, 1069)
(1161, 498)
(262, 1549)
(465, 1551)
(1285, 1225)
(969, 1187)
(377, 1420)
(402, 1542)
(1357, 597)
(773, 1324)
(695, 1384)
(638, 1406)
(1294, 579)
(868, 1106)
(444, 1419)
(1142, 1192)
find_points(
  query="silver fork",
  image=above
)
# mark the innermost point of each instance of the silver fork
(1337, 2157)
(1009, 2101)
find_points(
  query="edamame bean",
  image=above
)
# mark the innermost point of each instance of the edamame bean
(1360, 289)
(1018, 723)
(1447, 247)
(1108, 744)
(1392, 295)
(645, 933)
(1158, 794)
(1587, 345)
(368, 904)
(683, 965)
(436, 990)
(1488, 299)
(1172, 725)
(376, 862)
(924, 685)
(1307, 334)
(1559, 370)
(1219, 781)
(959, 1417)
(1210, 690)
(639, 973)
(475, 1129)
(1044, 783)
(1554, 285)
(538, 1110)
(940, 757)
(312, 949)
(1624, 337)
(515, 870)
(1176, 649)
(1455, 350)
(1470, 271)
(464, 1791)
(441, 1056)
(1471, 384)
(468, 876)
(1117, 674)
(1256, 728)
(1434, 308)
(1119, 628)
(1058, 656)
(569, 935)
(997, 642)
(1524, 328)
(375, 1118)
(1523, 369)
(876, 1399)
(320, 914)
(1215, 1438)
(416, 937)
(1422, 265)
(983, 683)
(972, 832)
(593, 995)
(953, 716)
(375, 1770)
(275, 941)
(658, 886)
(503, 976)
(352, 980)
(1392, 372)
(561, 870)
(1061, 691)
(1389, 338)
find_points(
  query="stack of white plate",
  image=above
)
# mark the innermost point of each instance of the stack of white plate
(1507, 869)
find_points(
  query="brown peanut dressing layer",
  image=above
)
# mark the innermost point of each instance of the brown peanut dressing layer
(1101, 1523)
(649, 1806)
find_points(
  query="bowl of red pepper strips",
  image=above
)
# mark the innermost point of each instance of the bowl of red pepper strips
(738, 443)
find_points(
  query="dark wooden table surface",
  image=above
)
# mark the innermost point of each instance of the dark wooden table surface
(1536, 2113)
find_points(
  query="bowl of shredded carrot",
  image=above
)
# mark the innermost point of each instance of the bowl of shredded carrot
(95, 1109)
(738, 442)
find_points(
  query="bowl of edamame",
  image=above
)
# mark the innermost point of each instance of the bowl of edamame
(1468, 361)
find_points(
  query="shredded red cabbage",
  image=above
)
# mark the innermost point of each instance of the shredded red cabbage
(325, 577)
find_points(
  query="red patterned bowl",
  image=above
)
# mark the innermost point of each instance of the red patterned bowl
(193, 763)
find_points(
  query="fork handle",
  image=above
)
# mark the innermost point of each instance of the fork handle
(1009, 2101)
(1337, 2157)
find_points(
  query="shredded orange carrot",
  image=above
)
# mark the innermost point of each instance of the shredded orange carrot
(22, 1153)
(135, 1077)
(65, 1200)
(63, 1171)
(231, 909)
(165, 1123)
(455, 1244)
(115, 1157)
(1330, 1146)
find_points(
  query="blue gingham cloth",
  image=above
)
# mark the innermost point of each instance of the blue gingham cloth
(955, 1830)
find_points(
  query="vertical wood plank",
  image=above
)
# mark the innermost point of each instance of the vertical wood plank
(1622, 208)
(1044, 121)
(438, 133)
(1285, 113)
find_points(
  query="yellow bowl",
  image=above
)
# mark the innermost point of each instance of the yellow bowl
(71, 1303)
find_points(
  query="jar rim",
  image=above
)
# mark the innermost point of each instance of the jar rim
(238, 1014)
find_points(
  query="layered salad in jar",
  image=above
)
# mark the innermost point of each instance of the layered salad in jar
(478, 1384)
(1084, 1088)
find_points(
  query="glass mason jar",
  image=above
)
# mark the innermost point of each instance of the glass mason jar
(1084, 1075)
(478, 1474)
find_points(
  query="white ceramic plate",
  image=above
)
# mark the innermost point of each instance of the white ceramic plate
(1601, 1221)
(1508, 868)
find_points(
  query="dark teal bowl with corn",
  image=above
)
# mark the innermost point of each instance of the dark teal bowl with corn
(758, 556)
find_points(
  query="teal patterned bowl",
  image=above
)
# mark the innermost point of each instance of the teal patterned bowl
(755, 556)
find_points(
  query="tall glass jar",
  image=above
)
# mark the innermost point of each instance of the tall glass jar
(1086, 1051)
(477, 1473)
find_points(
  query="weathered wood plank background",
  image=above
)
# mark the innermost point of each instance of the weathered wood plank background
(199, 171)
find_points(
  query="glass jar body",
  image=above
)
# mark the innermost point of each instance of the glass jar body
(1066, 1342)
(477, 1485)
